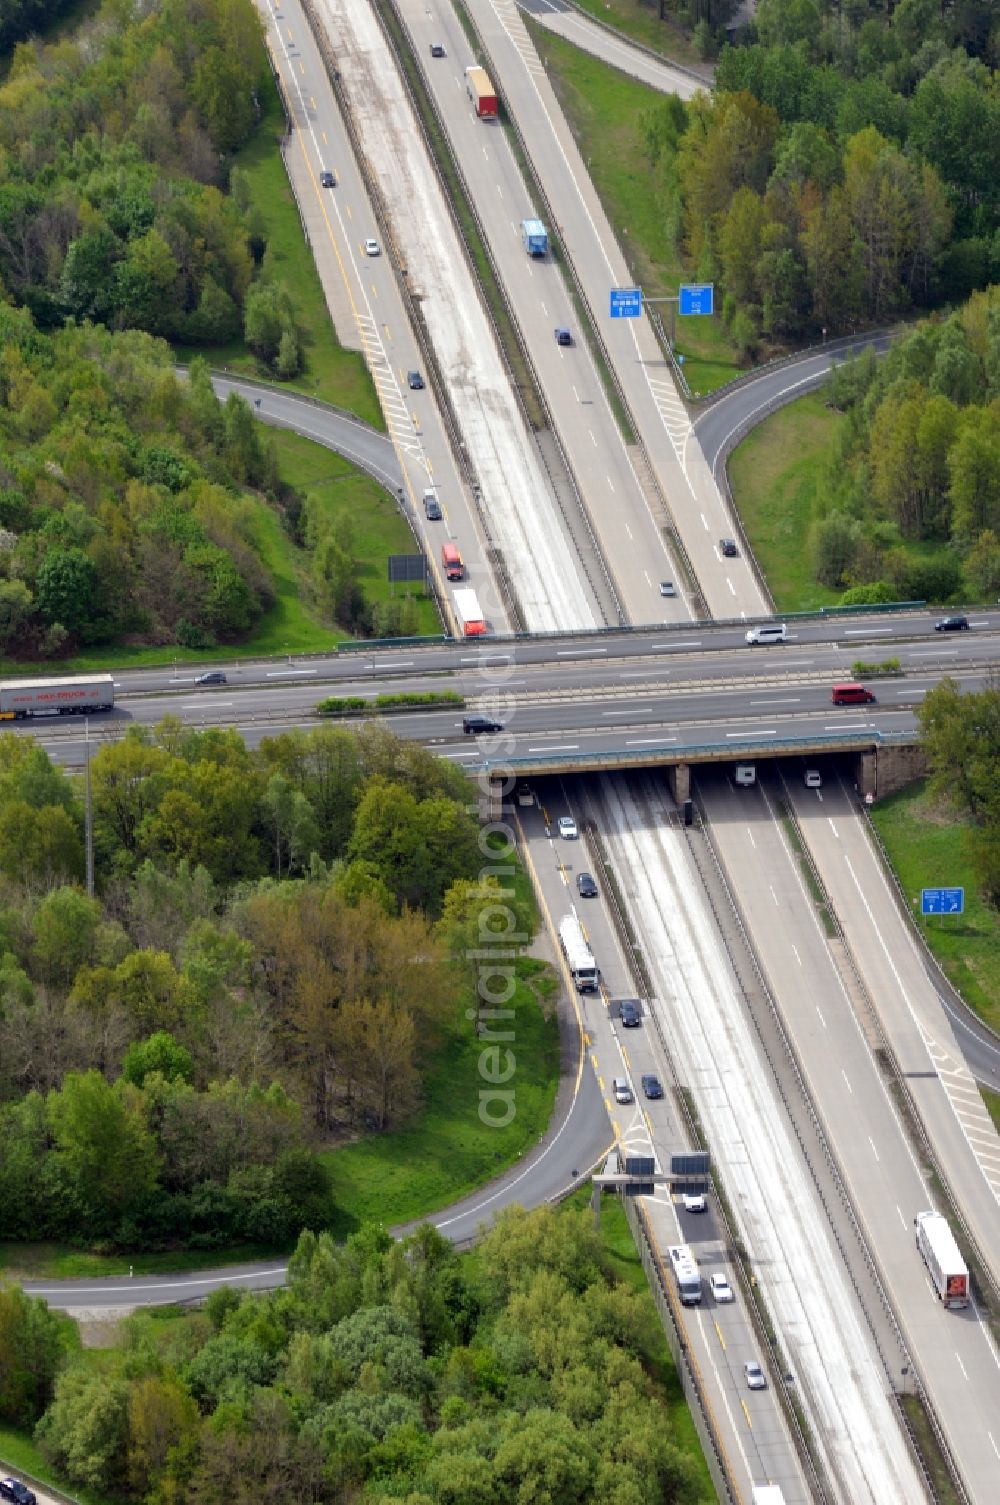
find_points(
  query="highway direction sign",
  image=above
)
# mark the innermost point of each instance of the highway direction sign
(942, 901)
(626, 302)
(697, 298)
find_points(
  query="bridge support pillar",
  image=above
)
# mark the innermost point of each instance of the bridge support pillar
(491, 799)
(679, 781)
(868, 775)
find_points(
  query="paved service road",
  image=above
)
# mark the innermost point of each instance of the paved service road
(735, 412)
(576, 1140)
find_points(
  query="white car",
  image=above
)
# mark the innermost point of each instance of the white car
(372, 247)
(754, 1376)
(694, 1201)
(568, 828)
(813, 778)
(720, 1288)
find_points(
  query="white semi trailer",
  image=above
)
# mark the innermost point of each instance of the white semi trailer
(76, 694)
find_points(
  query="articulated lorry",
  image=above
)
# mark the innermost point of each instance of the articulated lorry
(80, 693)
(480, 90)
(943, 1258)
(534, 237)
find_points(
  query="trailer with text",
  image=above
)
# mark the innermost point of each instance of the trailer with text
(80, 694)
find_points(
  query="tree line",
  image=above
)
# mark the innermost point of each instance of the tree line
(277, 945)
(917, 463)
(383, 1371)
(960, 733)
(845, 168)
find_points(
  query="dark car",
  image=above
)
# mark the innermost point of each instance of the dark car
(652, 1086)
(727, 548)
(477, 726)
(437, 49)
(13, 1489)
(414, 381)
(327, 180)
(585, 886)
(563, 337)
(952, 624)
(213, 677)
(630, 1015)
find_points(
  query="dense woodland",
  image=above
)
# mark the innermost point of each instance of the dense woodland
(275, 950)
(383, 1372)
(114, 161)
(918, 461)
(845, 169)
(126, 509)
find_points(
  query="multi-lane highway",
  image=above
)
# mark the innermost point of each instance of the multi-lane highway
(652, 696)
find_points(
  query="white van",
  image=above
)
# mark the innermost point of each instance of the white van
(746, 774)
(768, 632)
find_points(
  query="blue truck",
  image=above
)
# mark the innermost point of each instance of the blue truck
(535, 237)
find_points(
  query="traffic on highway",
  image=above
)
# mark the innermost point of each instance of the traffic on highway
(740, 976)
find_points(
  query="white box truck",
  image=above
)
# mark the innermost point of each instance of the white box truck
(943, 1258)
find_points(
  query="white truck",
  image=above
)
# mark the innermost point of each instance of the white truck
(82, 694)
(471, 622)
(579, 957)
(767, 1494)
(686, 1274)
(943, 1258)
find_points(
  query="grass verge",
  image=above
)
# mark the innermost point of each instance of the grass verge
(329, 371)
(926, 845)
(775, 475)
(606, 112)
(992, 1101)
(448, 1151)
(643, 24)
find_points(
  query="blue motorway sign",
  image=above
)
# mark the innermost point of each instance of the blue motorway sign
(942, 901)
(697, 298)
(626, 302)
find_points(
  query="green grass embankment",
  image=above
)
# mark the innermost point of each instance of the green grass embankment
(926, 844)
(605, 112)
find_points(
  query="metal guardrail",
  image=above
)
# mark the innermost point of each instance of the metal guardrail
(819, 1129)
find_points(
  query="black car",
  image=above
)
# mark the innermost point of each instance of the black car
(651, 1086)
(585, 886)
(414, 381)
(13, 1489)
(477, 726)
(630, 1015)
(437, 49)
(563, 336)
(727, 548)
(213, 677)
(327, 180)
(952, 624)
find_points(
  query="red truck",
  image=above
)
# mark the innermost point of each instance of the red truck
(482, 93)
